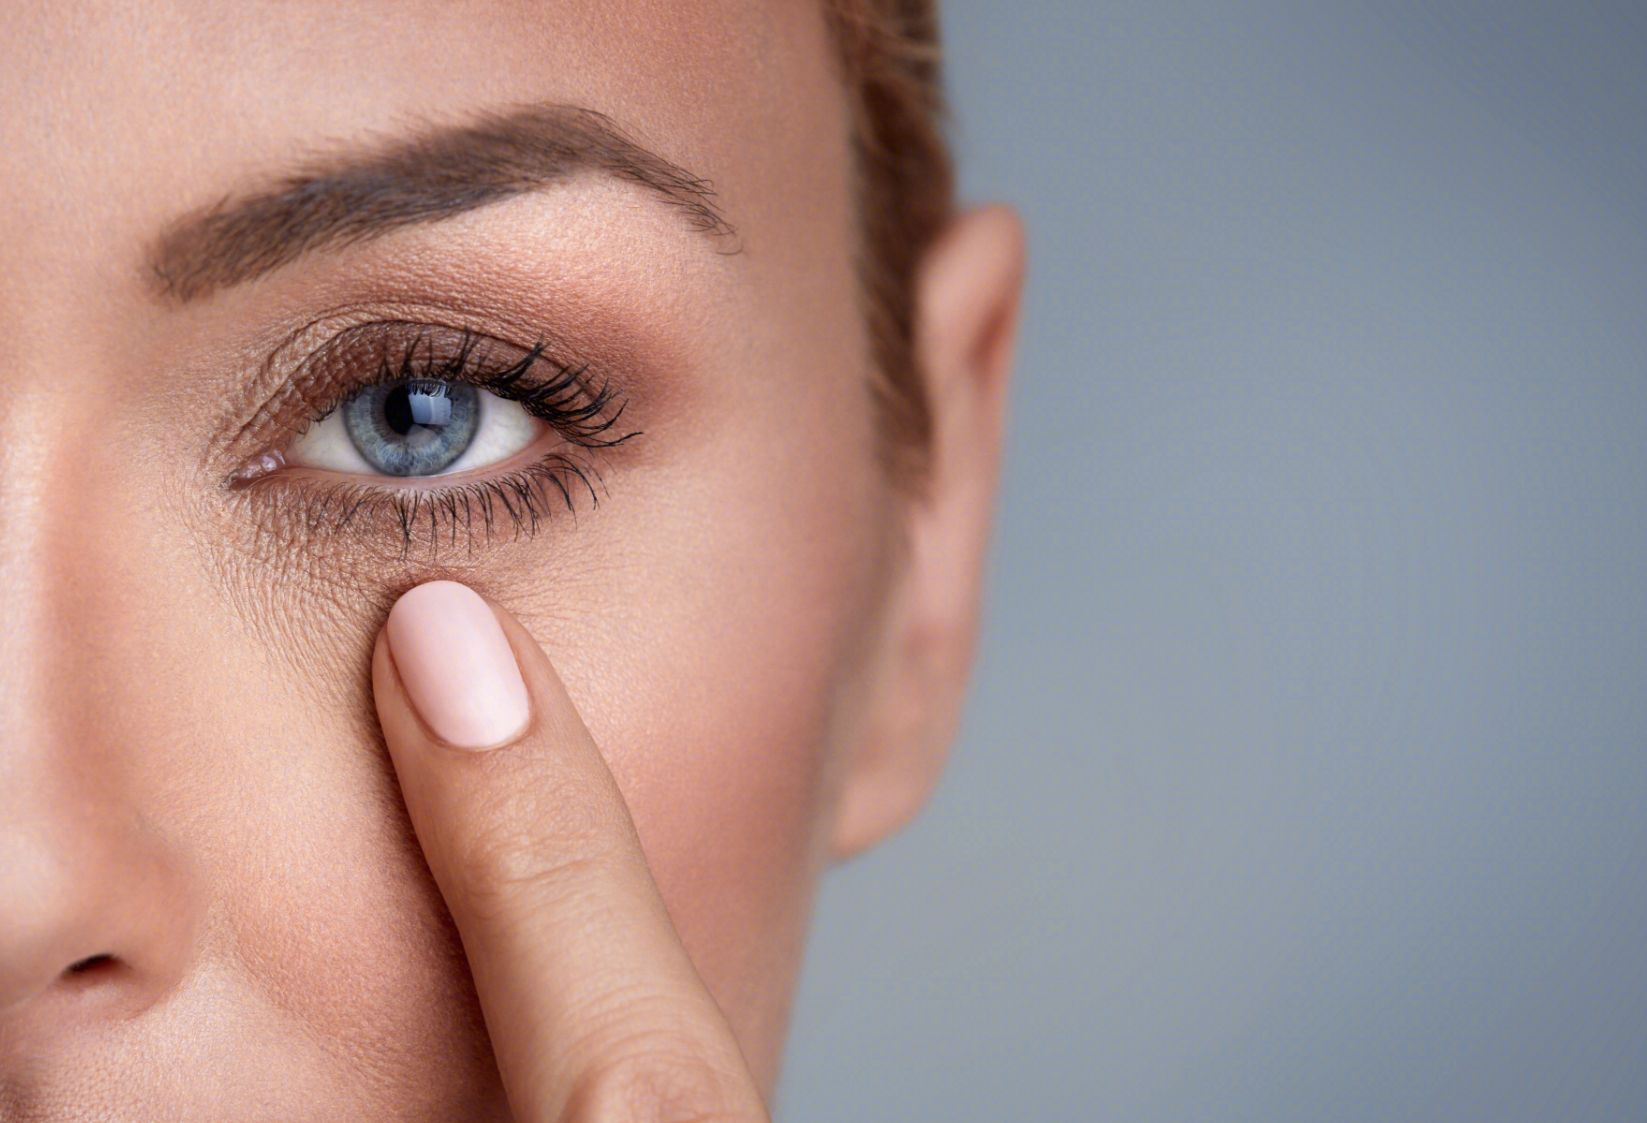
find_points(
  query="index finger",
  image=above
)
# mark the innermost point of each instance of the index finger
(594, 1009)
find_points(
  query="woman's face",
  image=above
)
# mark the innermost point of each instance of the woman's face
(217, 223)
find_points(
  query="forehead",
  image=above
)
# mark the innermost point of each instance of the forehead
(188, 102)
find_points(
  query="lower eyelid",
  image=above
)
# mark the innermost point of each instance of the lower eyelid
(428, 519)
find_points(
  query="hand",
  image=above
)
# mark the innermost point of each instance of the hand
(594, 1010)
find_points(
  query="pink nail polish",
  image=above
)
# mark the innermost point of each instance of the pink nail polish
(457, 666)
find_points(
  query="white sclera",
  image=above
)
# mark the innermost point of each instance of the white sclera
(503, 430)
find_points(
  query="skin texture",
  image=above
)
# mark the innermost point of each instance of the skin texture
(766, 640)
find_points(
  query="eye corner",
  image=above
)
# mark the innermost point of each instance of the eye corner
(259, 467)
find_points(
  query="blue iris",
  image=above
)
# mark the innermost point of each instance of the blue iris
(414, 427)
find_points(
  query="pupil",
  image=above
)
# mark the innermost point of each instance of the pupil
(416, 405)
(397, 410)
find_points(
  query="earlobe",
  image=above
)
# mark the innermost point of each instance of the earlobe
(969, 294)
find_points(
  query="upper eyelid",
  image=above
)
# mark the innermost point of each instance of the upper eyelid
(295, 380)
(583, 412)
(396, 361)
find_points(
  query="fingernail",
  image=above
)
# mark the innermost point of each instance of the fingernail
(457, 666)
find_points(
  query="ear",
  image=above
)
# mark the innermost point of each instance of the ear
(968, 295)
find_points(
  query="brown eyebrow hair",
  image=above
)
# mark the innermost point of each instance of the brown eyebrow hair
(436, 173)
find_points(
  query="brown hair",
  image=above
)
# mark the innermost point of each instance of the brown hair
(889, 59)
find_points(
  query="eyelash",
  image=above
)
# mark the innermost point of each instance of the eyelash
(555, 400)
(586, 418)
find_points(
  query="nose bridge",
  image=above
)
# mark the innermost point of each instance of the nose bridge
(98, 912)
(55, 533)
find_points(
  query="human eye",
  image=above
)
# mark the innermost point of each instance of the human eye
(415, 427)
(420, 420)
(441, 432)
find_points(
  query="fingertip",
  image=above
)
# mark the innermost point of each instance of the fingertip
(447, 651)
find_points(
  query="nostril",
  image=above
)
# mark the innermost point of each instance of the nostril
(91, 965)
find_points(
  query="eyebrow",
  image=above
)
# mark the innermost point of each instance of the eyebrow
(433, 174)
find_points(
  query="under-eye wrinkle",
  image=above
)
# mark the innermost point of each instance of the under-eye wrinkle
(394, 380)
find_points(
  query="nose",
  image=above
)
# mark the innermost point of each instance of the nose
(97, 912)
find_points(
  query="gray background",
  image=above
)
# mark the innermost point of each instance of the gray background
(1306, 772)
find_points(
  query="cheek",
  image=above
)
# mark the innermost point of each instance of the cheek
(707, 661)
